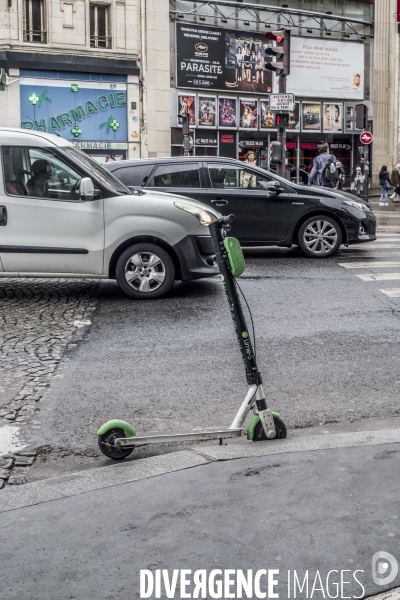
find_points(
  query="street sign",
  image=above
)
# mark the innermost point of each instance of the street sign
(251, 144)
(281, 102)
(366, 137)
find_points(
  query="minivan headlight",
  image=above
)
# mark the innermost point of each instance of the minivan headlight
(358, 205)
(205, 217)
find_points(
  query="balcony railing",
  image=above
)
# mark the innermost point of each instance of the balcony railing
(98, 41)
(32, 35)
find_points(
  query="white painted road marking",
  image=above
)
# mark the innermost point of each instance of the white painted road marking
(392, 292)
(377, 247)
(363, 265)
(379, 277)
(9, 439)
(365, 255)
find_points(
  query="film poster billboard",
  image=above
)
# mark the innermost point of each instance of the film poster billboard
(209, 58)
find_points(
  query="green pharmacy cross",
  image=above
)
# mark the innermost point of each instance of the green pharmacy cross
(76, 131)
(34, 98)
(74, 87)
(114, 124)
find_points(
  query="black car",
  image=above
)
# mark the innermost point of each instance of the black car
(269, 210)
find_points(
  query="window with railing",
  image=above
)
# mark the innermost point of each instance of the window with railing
(100, 30)
(35, 22)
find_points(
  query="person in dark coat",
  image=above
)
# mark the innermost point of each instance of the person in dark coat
(384, 182)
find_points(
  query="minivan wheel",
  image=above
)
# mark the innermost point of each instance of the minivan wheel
(145, 271)
(320, 236)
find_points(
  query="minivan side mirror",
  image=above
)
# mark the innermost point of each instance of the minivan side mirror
(274, 186)
(86, 189)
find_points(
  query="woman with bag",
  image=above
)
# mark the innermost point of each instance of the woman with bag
(395, 179)
(385, 183)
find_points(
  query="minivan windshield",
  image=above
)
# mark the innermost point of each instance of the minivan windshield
(100, 172)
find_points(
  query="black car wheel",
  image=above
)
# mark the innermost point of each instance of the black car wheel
(320, 236)
(145, 271)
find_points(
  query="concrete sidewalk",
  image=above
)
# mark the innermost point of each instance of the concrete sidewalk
(316, 502)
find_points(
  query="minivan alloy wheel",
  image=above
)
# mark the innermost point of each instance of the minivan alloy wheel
(320, 236)
(145, 272)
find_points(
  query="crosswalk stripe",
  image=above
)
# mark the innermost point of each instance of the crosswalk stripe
(363, 265)
(392, 293)
(365, 255)
(389, 215)
(383, 234)
(379, 277)
(379, 246)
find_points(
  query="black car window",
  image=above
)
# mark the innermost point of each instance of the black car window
(133, 175)
(231, 177)
(178, 175)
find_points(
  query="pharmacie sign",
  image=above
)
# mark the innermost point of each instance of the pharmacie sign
(75, 112)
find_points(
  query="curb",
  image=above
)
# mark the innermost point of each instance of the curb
(80, 482)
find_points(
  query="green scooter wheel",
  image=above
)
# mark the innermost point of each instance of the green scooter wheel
(108, 447)
(281, 432)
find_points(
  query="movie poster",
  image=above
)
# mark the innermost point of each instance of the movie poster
(248, 113)
(207, 111)
(332, 117)
(187, 104)
(267, 116)
(294, 118)
(209, 58)
(311, 116)
(227, 112)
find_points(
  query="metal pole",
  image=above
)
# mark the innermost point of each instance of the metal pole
(282, 130)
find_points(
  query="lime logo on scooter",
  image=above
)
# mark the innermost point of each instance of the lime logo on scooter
(245, 334)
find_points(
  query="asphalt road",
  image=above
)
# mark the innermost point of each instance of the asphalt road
(327, 345)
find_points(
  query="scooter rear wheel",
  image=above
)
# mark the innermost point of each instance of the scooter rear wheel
(108, 447)
(281, 431)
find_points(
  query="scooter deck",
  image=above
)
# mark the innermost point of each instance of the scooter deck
(179, 435)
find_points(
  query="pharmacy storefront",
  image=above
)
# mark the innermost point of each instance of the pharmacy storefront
(98, 113)
(221, 81)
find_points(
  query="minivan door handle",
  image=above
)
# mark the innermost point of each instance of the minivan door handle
(3, 215)
(220, 202)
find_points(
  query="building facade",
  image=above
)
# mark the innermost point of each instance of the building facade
(218, 75)
(89, 71)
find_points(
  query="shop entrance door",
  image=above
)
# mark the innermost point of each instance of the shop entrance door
(261, 216)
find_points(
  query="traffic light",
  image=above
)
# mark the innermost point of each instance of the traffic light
(282, 120)
(281, 51)
(3, 80)
(275, 153)
(361, 116)
(185, 123)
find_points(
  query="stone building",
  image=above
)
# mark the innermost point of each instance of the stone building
(94, 72)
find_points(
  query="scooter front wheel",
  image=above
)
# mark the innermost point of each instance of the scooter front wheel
(281, 431)
(108, 447)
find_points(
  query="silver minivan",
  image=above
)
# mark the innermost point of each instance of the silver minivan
(63, 215)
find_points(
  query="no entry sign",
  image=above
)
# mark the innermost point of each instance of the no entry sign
(366, 137)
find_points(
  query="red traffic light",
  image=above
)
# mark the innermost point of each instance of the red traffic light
(277, 36)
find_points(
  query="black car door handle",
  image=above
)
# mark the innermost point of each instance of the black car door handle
(3, 215)
(220, 202)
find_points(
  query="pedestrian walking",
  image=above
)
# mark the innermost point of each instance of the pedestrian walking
(323, 171)
(386, 184)
(395, 179)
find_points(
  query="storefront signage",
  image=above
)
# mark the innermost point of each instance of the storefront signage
(218, 59)
(327, 68)
(251, 144)
(86, 114)
(206, 141)
(282, 102)
(101, 145)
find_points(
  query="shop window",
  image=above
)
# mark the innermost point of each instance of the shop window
(35, 21)
(229, 178)
(182, 176)
(100, 29)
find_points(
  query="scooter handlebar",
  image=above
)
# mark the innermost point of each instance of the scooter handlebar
(226, 220)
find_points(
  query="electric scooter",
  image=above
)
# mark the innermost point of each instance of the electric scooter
(118, 438)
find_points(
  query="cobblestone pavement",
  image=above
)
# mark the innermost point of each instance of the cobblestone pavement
(38, 319)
